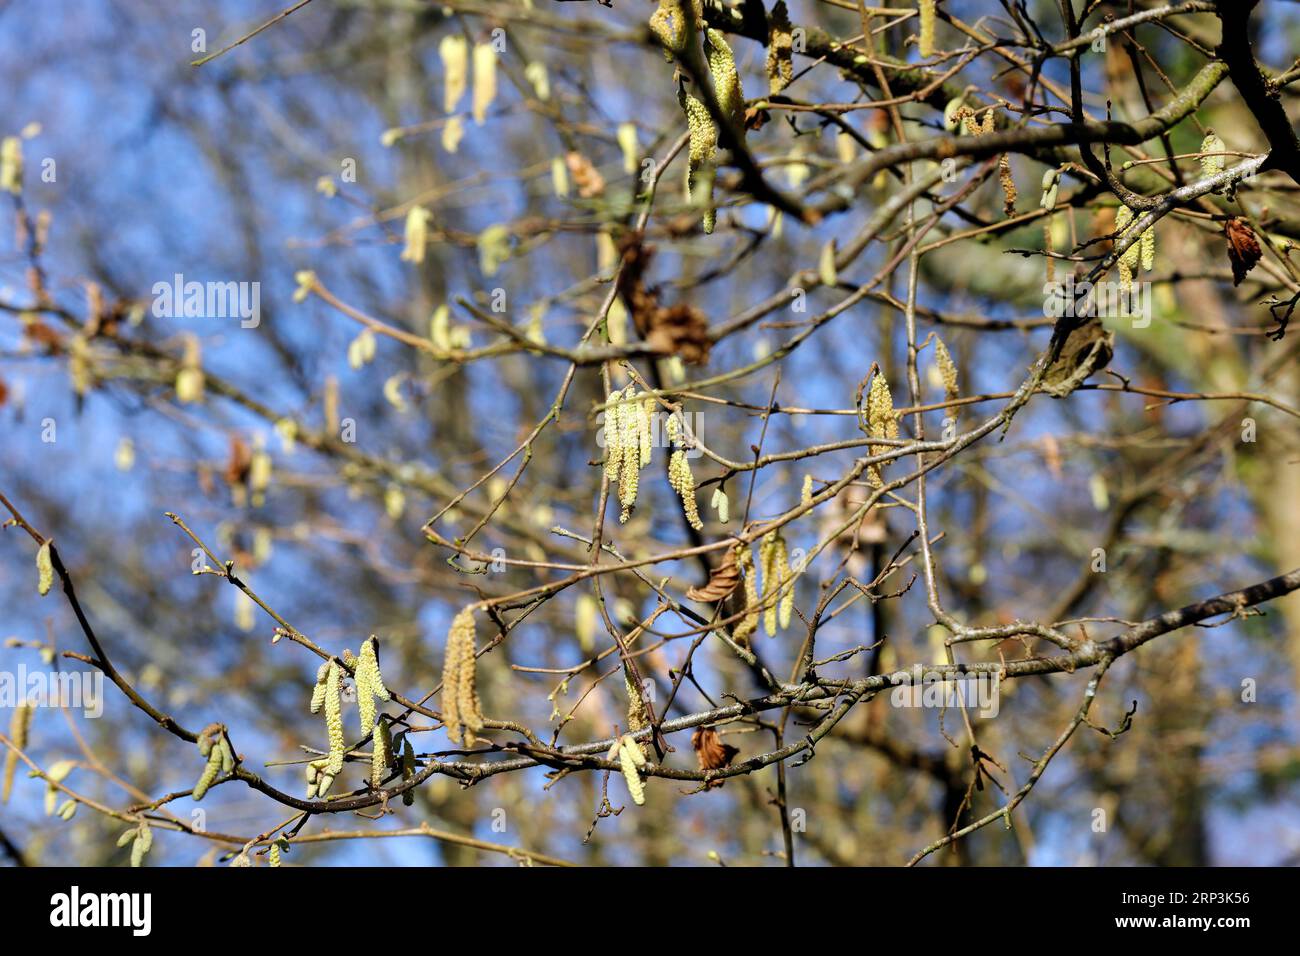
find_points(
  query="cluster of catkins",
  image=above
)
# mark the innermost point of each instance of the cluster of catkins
(630, 754)
(631, 760)
(1144, 249)
(629, 440)
(141, 840)
(777, 601)
(676, 23)
(214, 746)
(327, 696)
(680, 477)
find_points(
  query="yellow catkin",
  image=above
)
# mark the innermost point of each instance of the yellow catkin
(381, 753)
(775, 565)
(586, 619)
(535, 73)
(559, 177)
(454, 53)
(1051, 185)
(460, 704)
(1140, 252)
(701, 157)
(190, 382)
(273, 857)
(806, 492)
(318, 692)
(668, 23)
(645, 411)
(680, 477)
(612, 430)
(627, 144)
(334, 718)
(632, 422)
(485, 80)
(629, 754)
(370, 684)
(947, 369)
(1009, 194)
(721, 504)
(637, 718)
(780, 48)
(748, 624)
(44, 570)
(210, 771)
(226, 755)
(881, 421)
(683, 482)
(726, 81)
(927, 11)
(453, 131)
(11, 165)
(1212, 165)
(416, 236)
(20, 723)
(141, 845)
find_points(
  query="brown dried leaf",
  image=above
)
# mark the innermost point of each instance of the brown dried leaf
(1243, 248)
(585, 176)
(724, 579)
(711, 752)
(39, 333)
(238, 461)
(681, 330)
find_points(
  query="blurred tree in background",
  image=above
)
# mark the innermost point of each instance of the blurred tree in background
(963, 326)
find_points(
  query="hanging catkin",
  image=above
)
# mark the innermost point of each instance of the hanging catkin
(20, 723)
(416, 239)
(680, 477)
(881, 421)
(778, 590)
(213, 745)
(721, 504)
(454, 53)
(460, 704)
(370, 683)
(926, 41)
(44, 570)
(629, 439)
(631, 760)
(947, 370)
(1140, 252)
(485, 80)
(381, 753)
(726, 81)
(701, 157)
(780, 48)
(748, 624)
(1211, 164)
(334, 718)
